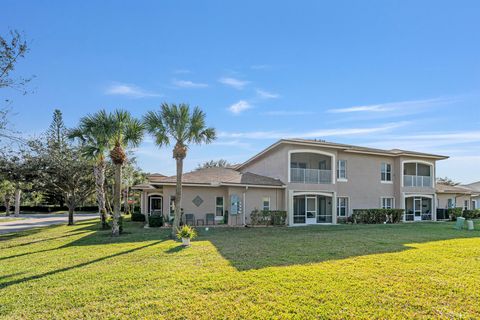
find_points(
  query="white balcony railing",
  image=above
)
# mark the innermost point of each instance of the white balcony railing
(313, 176)
(417, 181)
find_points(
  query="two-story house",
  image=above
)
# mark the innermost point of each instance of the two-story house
(316, 182)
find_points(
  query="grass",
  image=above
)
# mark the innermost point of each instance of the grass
(2, 219)
(425, 270)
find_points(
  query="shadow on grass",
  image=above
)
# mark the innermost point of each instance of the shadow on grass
(71, 234)
(256, 248)
(176, 249)
(49, 273)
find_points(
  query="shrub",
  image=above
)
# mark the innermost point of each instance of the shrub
(186, 232)
(120, 222)
(155, 220)
(278, 217)
(453, 213)
(136, 216)
(471, 214)
(372, 216)
(266, 217)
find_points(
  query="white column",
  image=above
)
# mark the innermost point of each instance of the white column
(334, 208)
(289, 206)
(434, 207)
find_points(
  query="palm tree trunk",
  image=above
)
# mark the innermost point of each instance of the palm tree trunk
(116, 200)
(99, 172)
(18, 194)
(178, 198)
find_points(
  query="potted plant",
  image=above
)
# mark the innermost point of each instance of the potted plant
(186, 233)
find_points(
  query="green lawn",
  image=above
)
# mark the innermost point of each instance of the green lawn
(424, 270)
(9, 219)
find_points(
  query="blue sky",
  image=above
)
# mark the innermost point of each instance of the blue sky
(388, 74)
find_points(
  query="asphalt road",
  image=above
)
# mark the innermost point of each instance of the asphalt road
(31, 221)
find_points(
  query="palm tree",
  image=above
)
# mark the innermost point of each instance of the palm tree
(123, 131)
(177, 123)
(93, 135)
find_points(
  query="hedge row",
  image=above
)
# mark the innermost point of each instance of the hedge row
(471, 214)
(268, 217)
(372, 216)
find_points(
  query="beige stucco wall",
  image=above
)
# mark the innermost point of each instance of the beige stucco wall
(363, 187)
(459, 200)
(253, 200)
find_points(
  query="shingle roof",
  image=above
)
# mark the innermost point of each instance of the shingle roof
(217, 176)
(445, 188)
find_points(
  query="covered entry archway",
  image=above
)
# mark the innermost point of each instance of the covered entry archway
(155, 204)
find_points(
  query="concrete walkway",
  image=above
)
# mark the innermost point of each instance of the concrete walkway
(31, 221)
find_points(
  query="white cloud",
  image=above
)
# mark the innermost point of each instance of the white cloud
(129, 90)
(312, 134)
(429, 142)
(188, 84)
(234, 83)
(384, 107)
(239, 107)
(281, 113)
(267, 95)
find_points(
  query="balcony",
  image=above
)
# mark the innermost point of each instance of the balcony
(313, 176)
(417, 181)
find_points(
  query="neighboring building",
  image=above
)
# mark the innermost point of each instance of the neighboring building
(475, 187)
(316, 182)
(449, 196)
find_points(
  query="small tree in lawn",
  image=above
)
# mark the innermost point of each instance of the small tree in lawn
(123, 131)
(7, 190)
(178, 123)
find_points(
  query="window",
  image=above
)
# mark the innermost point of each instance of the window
(342, 206)
(386, 174)
(266, 203)
(474, 204)
(219, 207)
(450, 203)
(342, 169)
(387, 203)
(172, 206)
(298, 165)
(466, 204)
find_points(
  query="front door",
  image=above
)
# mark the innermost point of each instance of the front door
(156, 205)
(417, 209)
(311, 210)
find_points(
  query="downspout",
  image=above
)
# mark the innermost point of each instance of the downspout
(245, 206)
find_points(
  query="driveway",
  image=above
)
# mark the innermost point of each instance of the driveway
(31, 221)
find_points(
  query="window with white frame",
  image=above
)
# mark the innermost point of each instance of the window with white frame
(386, 172)
(266, 203)
(466, 204)
(474, 204)
(342, 169)
(342, 206)
(450, 203)
(219, 208)
(387, 203)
